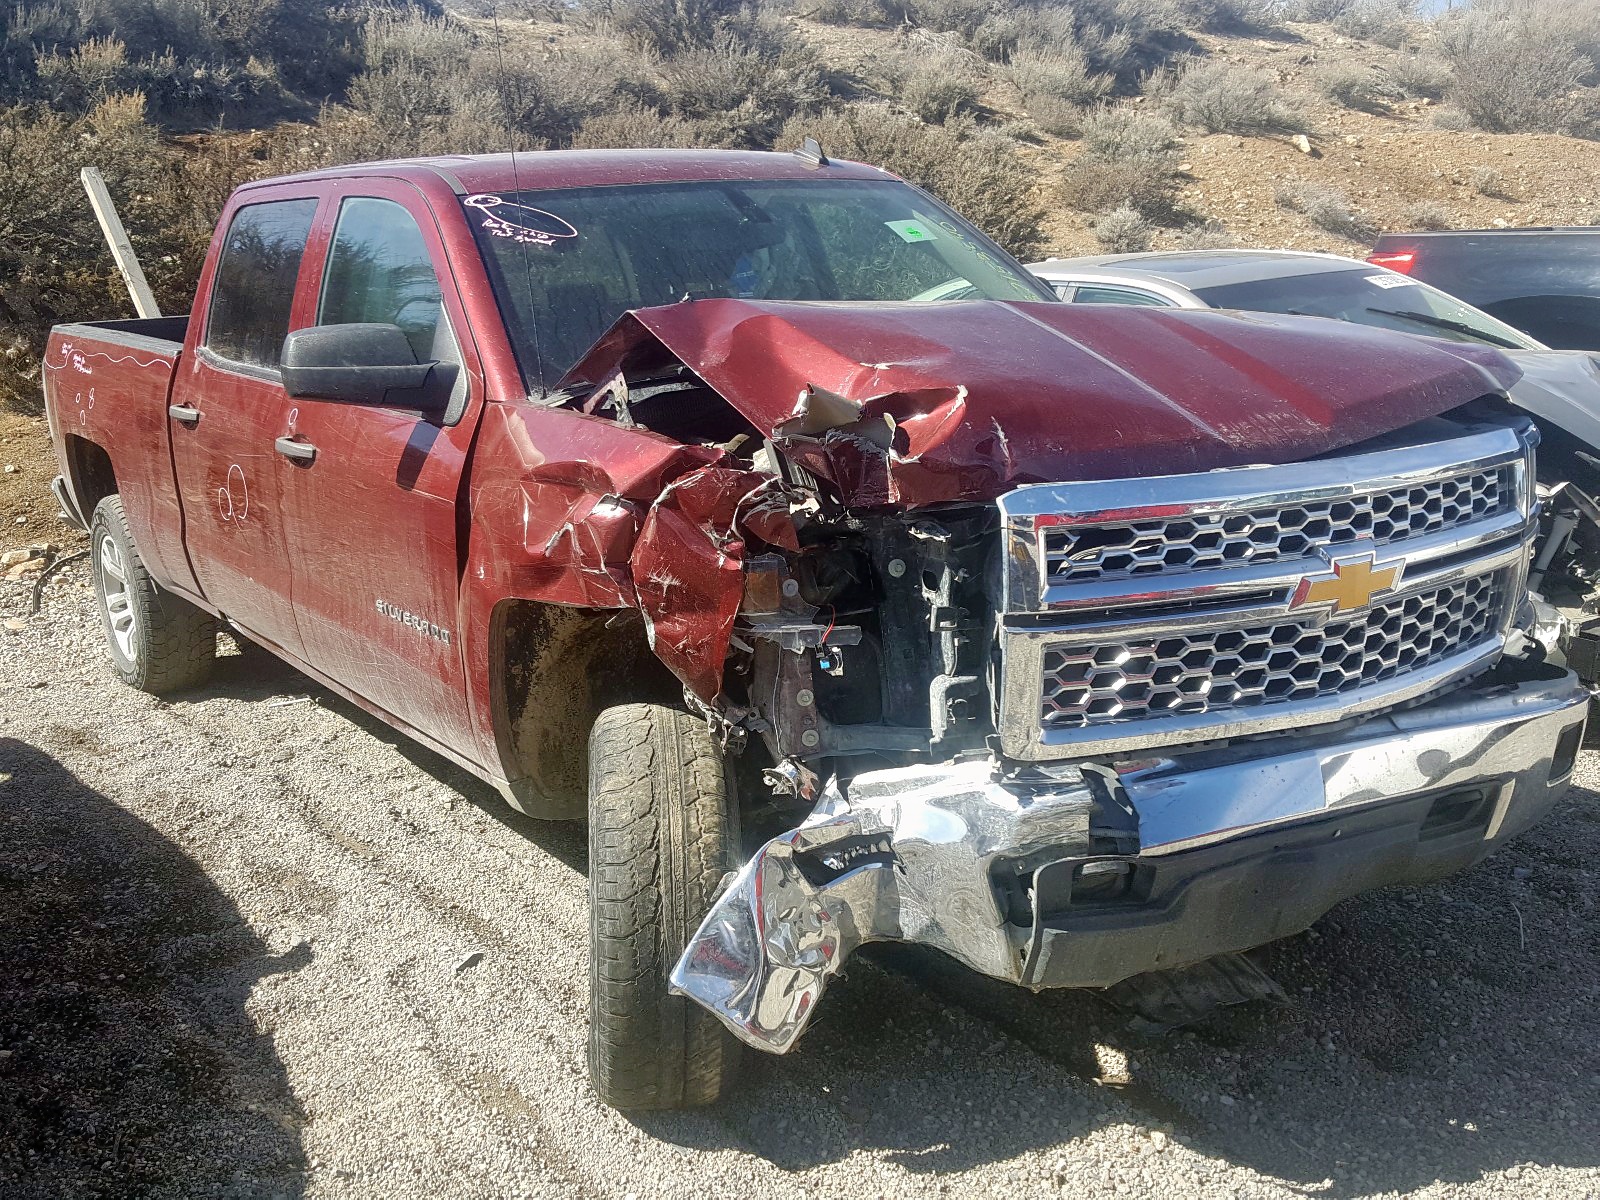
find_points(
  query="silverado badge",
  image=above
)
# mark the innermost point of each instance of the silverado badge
(1352, 584)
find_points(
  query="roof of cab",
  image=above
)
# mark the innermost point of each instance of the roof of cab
(467, 174)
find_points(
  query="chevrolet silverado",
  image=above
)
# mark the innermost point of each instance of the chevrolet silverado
(760, 511)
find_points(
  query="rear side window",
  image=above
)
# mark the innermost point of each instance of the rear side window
(1089, 293)
(379, 270)
(254, 286)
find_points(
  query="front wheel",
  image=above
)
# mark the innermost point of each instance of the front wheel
(662, 833)
(158, 643)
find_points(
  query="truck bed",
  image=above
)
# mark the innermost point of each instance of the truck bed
(106, 387)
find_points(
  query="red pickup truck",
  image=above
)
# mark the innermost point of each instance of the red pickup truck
(759, 510)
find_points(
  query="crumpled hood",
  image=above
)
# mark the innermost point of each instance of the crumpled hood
(923, 403)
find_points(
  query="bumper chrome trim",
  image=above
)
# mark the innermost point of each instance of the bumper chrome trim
(908, 854)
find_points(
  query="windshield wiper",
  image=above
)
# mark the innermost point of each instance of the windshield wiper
(1471, 331)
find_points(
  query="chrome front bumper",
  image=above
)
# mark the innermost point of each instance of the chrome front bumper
(1082, 876)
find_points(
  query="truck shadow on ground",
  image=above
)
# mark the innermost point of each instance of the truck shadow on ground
(128, 1064)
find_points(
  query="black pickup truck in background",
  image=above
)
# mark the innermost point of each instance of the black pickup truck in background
(1545, 282)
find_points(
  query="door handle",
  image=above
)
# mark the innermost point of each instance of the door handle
(187, 413)
(301, 452)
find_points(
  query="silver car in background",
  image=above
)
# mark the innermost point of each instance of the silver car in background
(1559, 388)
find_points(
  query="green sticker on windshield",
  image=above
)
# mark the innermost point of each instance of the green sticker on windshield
(912, 231)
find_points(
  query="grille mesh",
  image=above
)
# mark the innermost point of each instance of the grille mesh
(1204, 672)
(1082, 554)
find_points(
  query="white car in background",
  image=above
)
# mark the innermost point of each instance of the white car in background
(1559, 388)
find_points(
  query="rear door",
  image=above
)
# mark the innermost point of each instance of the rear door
(372, 516)
(228, 407)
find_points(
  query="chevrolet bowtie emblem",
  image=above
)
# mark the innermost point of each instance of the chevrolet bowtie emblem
(1352, 585)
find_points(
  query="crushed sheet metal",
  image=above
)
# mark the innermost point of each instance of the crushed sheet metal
(907, 853)
(982, 396)
(688, 565)
(905, 857)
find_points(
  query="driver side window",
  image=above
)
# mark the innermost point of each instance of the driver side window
(379, 270)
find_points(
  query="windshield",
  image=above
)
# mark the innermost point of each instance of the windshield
(567, 263)
(1369, 296)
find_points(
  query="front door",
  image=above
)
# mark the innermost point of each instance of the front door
(228, 406)
(371, 515)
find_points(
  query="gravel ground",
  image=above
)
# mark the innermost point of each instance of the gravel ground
(255, 944)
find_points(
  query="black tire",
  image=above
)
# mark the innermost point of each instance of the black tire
(662, 833)
(159, 643)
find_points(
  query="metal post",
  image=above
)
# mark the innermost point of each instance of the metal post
(105, 212)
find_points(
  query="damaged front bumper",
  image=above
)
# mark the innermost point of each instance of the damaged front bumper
(1082, 877)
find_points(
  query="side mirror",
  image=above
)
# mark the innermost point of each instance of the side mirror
(363, 364)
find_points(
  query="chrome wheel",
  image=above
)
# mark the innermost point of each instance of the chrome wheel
(116, 596)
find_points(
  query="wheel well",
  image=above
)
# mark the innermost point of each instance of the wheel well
(552, 670)
(93, 478)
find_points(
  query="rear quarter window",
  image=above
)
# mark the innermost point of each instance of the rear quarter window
(253, 289)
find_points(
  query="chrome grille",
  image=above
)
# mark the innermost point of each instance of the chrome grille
(1276, 663)
(1201, 540)
(1184, 608)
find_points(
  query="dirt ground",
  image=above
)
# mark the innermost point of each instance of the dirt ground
(25, 490)
(256, 944)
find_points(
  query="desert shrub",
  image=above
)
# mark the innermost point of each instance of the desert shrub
(750, 94)
(948, 16)
(1221, 97)
(1126, 134)
(1062, 74)
(1324, 11)
(935, 82)
(636, 127)
(1420, 76)
(1524, 66)
(1055, 116)
(664, 28)
(1129, 160)
(1427, 214)
(975, 171)
(996, 37)
(1328, 209)
(941, 92)
(1234, 16)
(1451, 120)
(1124, 231)
(431, 86)
(414, 67)
(1209, 235)
(1486, 181)
(1358, 87)
(872, 14)
(1120, 38)
(1387, 22)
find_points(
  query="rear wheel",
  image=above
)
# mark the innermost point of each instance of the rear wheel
(158, 642)
(662, 834)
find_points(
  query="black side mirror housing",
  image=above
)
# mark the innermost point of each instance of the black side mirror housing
(369, 363)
